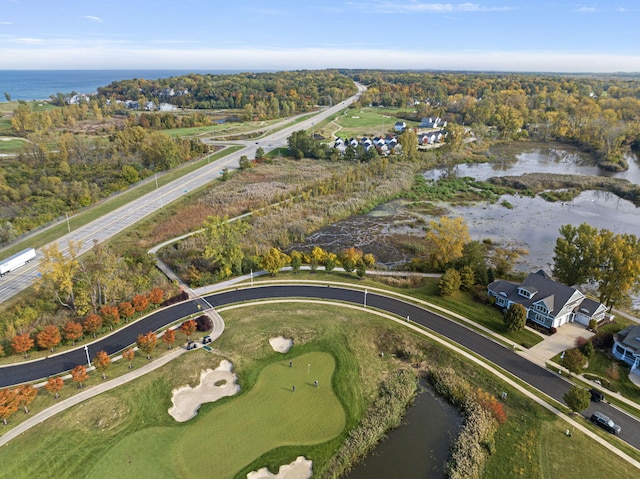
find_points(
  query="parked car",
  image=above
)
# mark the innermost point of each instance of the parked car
(596, 396)
(206, 339)
(191, 345)
(605, 423)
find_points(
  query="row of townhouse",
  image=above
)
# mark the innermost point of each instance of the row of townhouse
(383, 145)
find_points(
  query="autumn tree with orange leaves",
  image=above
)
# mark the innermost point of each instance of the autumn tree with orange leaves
(156, 295)
(110, 315)
(25, 394)
(101, 362)
(169, 337)
(147, 343)
(72, 331)
(8, 404)
(126, 310)
(92, 324)
(128, 356)
(49, 337)
(79, 375)
(54, 385)
(140, 302)
(22, 343)
(188, 328)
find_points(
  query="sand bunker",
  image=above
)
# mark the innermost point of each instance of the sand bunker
(187, 400)
(280, 344)
(301, 468)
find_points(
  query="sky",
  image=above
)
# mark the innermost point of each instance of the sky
(252, 35)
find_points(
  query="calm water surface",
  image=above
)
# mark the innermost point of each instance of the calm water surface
(418, 449)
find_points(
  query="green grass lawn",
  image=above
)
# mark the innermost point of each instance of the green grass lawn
(359, 122)
(270, 415)
(11, 146)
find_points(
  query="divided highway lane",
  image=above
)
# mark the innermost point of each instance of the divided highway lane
(538, 377)
(113, 223)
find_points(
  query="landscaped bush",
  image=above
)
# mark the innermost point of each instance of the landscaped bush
(178, 298)
(603, 341)
(204, 323)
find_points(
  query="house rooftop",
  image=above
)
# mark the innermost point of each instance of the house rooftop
(629, 337)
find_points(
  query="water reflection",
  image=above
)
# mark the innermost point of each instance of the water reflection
(536, 160)
(419, 448)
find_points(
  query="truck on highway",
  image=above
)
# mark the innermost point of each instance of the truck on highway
(17, 260)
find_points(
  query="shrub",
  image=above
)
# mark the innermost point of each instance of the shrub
(581, 341)
(587, 349)
(516, 317)
(593, 325)
(603, 341)
(204, 323)
(182, 296)
(449, 283)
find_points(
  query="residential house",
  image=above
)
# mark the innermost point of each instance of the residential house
(626, 346)
(400, 126)
(548, 303)
(434, 122)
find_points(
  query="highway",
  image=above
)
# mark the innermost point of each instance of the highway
(538, 377)
(103, 228)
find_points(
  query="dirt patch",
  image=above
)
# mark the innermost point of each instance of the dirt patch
(214, 384)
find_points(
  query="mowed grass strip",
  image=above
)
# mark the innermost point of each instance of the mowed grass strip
(223, 440)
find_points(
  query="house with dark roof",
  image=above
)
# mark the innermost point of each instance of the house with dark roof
(548, 303)
(400, 126)
(626, 346)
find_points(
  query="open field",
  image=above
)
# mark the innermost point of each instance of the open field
(10, 145)
(369, 121)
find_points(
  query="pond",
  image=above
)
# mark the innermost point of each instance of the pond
(419, 448)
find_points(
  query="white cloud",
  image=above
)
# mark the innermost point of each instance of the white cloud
(93, 19)
(6, 23)
(289, 59)
(584, 9)
(424, 7)
(27, 40)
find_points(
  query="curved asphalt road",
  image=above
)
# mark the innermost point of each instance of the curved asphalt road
(538, 377)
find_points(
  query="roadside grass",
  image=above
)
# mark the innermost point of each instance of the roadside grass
(86, 216)
(461, 302)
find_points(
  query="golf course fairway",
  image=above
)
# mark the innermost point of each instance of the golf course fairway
(221, 440)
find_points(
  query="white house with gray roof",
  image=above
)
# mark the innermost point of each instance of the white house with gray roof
(626, 346)
(548, 303)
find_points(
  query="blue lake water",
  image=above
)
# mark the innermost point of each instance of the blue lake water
(41, 84)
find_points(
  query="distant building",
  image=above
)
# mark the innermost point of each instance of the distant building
(400, 126)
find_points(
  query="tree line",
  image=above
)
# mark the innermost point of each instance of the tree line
(260, 95)
(600, 114)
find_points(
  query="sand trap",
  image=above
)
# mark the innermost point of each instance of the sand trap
(280, 344)
(301, 468)
(187, 400)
